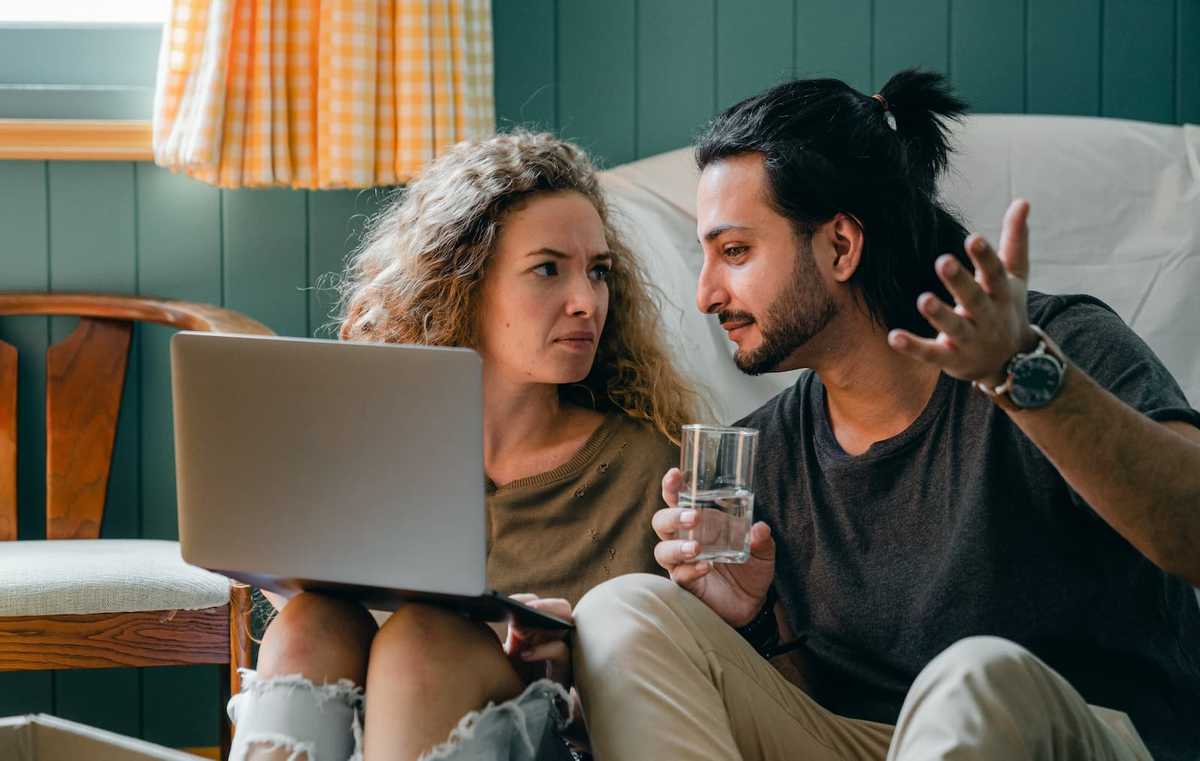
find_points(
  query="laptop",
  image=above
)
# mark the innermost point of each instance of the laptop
(351, 469)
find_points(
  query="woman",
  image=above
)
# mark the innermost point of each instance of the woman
(505, 246)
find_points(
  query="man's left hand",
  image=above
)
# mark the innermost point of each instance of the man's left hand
(988, 323)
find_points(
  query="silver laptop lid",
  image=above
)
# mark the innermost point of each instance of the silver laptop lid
(357, 464)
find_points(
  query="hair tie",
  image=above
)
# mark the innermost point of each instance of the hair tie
(888, 116)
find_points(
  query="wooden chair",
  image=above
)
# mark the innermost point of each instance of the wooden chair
(103, 625)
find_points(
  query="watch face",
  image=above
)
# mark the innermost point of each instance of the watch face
(1035, 381)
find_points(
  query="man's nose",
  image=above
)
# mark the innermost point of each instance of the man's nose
(711, 296)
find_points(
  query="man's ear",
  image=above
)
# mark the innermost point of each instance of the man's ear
(845, 235)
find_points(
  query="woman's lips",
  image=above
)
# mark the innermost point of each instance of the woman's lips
(578, 341)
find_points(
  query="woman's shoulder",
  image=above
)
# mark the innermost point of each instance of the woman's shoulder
(638, 439)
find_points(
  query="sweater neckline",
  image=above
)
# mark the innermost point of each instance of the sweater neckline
(577, 462)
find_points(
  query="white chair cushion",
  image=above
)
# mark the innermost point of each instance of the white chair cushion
(79, 576)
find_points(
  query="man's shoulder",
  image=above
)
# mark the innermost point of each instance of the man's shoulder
(1049, 309)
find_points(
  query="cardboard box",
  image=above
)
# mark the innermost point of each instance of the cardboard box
(48, 738)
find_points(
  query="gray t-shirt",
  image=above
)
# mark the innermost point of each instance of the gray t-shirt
(960, 526)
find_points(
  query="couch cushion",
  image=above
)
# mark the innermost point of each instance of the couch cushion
(62, 577)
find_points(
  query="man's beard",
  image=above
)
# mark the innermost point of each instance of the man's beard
(798, 313)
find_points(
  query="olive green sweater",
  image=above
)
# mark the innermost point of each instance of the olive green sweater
(560, 533)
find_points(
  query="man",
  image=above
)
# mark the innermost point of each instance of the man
(981, 506)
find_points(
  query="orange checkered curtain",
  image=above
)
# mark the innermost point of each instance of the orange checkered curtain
(320, 93)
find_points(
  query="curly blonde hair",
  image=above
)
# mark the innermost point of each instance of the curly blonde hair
(416, 277)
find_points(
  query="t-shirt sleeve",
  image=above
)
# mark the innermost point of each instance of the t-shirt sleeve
(1099, 342)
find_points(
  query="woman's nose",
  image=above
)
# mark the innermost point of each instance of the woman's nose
(582, 299)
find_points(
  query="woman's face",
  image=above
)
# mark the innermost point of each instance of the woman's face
(545, 294)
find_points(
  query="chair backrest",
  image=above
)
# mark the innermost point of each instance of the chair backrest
(85, 373)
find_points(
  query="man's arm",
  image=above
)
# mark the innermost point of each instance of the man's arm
(1141, 476)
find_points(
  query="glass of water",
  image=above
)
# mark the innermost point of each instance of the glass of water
(718, 478)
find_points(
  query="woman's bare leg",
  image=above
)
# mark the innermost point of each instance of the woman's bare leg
(428, 668)
(320, 638)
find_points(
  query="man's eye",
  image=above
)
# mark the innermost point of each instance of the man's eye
(546, 269)
(736, 251)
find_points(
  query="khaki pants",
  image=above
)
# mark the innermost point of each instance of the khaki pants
(662, 677)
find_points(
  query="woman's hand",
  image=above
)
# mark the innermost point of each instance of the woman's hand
(540, 653)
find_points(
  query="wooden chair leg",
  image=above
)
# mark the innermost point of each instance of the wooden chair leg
(240, 609)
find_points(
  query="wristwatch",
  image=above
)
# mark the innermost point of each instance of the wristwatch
(1033, 379)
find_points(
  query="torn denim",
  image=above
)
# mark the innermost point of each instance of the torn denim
(324, 723)
(312, 722)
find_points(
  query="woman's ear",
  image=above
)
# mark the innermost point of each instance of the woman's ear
(846, 238)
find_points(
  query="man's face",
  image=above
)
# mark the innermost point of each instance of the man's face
(760, 277)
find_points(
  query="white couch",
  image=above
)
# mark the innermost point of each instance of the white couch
(1115, 213)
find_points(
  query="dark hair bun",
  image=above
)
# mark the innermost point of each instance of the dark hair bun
(922, 102)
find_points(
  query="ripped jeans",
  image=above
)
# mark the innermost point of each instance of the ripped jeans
(324, 723)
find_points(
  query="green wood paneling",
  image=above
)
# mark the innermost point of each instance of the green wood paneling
(93, 248)
(335, 224)
(910, 33)
(23, 215)
(524, 63)
(987, 54)
(1139, 69)
(179, 257)
(597, 75)
(754, 47)
(1064, 57)
(181, 705)
(674, 36)
(266, 257)
(1187, 76)
(833, 39)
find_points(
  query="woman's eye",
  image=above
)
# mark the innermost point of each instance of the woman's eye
(601, 272)
(546, 269)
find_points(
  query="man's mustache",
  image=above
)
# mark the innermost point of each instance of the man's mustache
(724, 317)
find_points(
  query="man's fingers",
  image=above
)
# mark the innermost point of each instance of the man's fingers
(989, 270)
(962, 286)
(668, 522)
(1014, 239)
(690, 573)
(673, 552)
(942, 317)
(671, 484)
(762, 544)
(924, 349)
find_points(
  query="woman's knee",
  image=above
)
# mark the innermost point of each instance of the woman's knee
(428, 647)
(321, 637)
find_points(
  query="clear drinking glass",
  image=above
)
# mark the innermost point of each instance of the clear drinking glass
(718, 483)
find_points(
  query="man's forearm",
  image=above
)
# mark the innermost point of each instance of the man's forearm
(1141, 476)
